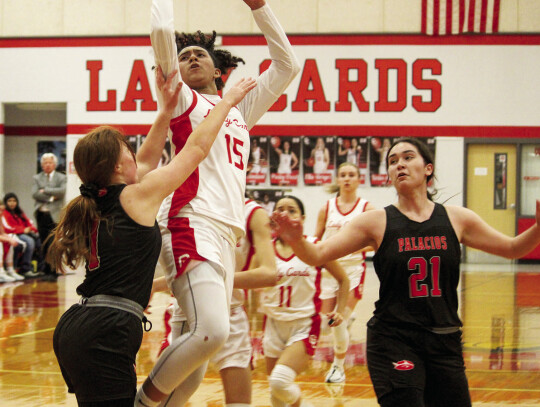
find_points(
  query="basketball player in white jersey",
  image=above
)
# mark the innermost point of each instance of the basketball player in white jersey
(255, 268)
(292, 320)
(202, 220)
(321, 156)
(335, 214)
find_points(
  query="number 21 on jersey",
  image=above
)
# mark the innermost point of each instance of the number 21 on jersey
(417, 285)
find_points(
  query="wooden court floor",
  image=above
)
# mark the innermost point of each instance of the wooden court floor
(500, 307)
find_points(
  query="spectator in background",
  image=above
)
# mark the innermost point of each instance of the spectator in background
(16, 222)
(7, 243)
(48, 192)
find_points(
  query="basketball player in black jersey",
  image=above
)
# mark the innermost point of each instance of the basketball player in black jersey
(414, 351)
(112, 227)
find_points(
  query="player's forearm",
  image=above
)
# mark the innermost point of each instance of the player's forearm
(259, 277)
(279, 47)
(342, 295)
(162, 35)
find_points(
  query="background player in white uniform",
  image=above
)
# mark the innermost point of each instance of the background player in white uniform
(255, 268)
(335, 214)
(321, 156)
(287, 159)
(292, 320)
(203, 219)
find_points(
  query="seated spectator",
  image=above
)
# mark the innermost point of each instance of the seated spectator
(8, 242)
(15, 221)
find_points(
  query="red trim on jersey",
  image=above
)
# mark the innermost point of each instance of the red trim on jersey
(353, 208)
(249, 236)
(213, 104)
(316, 298)
(95, 260)
(359, 289)
(311, 341)
(278, 255)
(183, 244)
(181, 128)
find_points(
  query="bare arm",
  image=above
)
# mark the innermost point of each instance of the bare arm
(321, 222)
(336, 316)
(141, 201)
(265, 274)
(159, 285)
(474, 232)
(366, 229)
(294, 161)
(149, 155)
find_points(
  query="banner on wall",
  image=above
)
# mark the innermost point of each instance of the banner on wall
(347, 86)
(355, 151)
(318, 160)
(258, 168)
(284, 160)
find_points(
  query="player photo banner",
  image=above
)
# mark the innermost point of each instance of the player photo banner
(284, 160)
(353, 150)
(267, 198)
(318, 160)
(258, 161)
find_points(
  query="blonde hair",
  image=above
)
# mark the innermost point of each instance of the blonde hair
(334, 187)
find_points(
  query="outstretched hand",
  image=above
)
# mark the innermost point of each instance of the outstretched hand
(255, 4)
(239, 90)
(289, 230)
(168, 91)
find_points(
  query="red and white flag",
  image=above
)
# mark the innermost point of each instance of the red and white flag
(447, 17)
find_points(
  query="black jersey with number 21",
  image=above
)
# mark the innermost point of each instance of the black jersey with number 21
(418, 267)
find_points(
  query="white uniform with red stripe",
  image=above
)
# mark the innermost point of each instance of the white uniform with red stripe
(244, 252)
(354, 263)
(214, 193)
(203, 219)
(296, 295)
(237, 350)
(292, 306)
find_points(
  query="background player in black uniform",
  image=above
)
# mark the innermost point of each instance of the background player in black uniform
(414, 339)
(112, 227)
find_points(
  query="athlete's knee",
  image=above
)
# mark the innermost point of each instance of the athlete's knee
(341, 338)
(213, 334)
(407, 396)
(282, 384)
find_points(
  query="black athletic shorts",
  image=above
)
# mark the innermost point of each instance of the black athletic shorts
(400, 358)
(96, 349)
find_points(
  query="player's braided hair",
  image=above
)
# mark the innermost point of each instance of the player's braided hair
(223, 60)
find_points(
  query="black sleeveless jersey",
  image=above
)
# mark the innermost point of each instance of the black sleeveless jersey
(418, 268)
(124, 253)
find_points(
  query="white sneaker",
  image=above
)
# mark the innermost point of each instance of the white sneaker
(13, 274)
(336, 374)
(4, 278)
